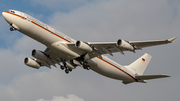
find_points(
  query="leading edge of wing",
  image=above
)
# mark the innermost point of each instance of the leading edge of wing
(141, 44)
(171, 40)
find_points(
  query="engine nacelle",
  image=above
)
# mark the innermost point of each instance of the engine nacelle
(83, 46)
(125, 45)
(68, 65)
(31, 63)
(39, 55)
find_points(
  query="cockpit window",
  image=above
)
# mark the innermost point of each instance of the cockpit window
(11, 11)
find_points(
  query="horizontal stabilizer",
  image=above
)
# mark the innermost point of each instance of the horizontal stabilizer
(126, 82)
(147, 77)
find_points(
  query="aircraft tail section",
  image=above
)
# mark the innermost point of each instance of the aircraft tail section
(140, 64)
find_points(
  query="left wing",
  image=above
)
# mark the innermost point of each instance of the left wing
(143, 44)
(99, 48)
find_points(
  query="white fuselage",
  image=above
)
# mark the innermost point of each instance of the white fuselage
(56, 41)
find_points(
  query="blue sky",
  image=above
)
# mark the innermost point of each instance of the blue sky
(41, 9)
(92, 20)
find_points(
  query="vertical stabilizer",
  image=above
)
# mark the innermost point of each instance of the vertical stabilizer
(140, 64)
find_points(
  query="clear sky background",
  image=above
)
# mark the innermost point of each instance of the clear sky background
(92, 21)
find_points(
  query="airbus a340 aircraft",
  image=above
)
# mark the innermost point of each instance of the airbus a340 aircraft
(70, 53)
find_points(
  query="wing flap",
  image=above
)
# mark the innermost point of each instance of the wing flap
(147, 77)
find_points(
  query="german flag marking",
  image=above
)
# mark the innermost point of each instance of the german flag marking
(143, 59)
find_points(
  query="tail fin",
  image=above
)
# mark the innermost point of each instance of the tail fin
(140, 64)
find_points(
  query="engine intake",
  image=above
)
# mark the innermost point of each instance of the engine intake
(83, 46)
(124, 44)
(39, 55)
(68, 65)
(31, 63)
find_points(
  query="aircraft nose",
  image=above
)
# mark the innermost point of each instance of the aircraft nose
(5, 15)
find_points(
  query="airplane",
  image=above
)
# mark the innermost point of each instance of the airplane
(69, 53)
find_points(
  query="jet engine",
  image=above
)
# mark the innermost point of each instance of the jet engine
(124, 44)
(83, 46)
(68, 65)
(31, 63)
(39, 55)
